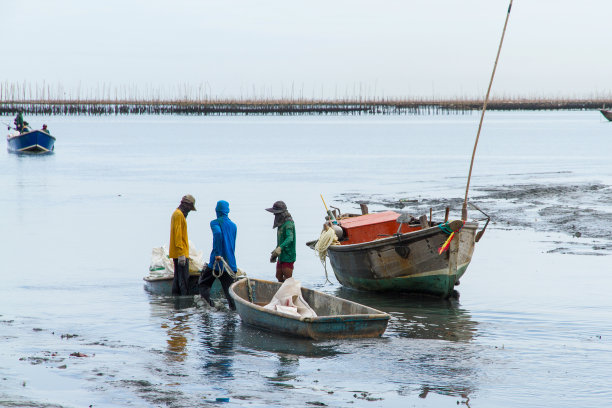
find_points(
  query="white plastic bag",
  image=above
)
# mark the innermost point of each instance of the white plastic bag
(163, 266)
(196, 259)
(288, 299)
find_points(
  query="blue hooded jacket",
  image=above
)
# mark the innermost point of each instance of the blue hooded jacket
(224, 237)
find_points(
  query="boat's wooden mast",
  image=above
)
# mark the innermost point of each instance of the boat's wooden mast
(484, 108)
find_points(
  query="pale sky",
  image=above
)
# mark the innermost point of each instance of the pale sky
(266, 48)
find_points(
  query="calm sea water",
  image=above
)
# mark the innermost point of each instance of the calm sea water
(531, 327)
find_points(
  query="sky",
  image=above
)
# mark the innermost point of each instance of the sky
(311, 49)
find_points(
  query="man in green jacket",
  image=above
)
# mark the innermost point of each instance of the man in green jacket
(19, 122)
(284, 253)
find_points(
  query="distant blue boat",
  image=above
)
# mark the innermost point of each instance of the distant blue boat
(35, 141)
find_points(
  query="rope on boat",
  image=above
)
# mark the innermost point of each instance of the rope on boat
(250, 290)
(327, 239)
(445, 227)
(227, 269)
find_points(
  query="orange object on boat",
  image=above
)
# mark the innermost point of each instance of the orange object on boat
(370, 227)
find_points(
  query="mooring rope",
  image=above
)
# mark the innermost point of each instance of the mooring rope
(225, 268)
(327, 238)
(249, 290)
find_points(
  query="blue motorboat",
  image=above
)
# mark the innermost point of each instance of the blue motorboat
(34, 141)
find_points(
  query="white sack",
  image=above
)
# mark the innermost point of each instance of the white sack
(288, 299)
(163, 266)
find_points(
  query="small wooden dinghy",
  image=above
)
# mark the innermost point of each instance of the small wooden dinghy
(336, 318)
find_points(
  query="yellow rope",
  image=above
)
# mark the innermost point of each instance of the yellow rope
(327, 239)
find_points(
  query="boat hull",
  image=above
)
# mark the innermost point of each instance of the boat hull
(35, 141)
(409, 262)
(163, 286)
(336, 317)
(606, 113)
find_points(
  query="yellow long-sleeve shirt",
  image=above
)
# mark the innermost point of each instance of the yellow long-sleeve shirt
(179, 241)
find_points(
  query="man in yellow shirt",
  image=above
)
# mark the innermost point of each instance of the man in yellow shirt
(179, 245)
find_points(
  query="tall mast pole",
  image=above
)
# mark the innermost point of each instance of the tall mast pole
(484, 108)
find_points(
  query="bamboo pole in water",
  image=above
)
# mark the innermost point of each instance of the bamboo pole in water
(484, 108)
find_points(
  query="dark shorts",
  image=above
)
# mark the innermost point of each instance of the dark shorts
(284, 270)
(284, 265)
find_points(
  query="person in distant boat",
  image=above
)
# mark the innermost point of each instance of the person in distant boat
(284, 253)
(179, 245)
(222, 256)
(19, 122)
(45, 129)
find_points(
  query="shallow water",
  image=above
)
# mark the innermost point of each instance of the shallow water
(530, 328)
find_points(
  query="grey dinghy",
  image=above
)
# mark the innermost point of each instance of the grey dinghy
(336, 318)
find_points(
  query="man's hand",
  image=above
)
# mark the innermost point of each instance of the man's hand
(274, 255)
(181, 260)
(218, 258)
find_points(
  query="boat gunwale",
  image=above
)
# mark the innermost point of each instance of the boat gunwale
(156, 278)
(167, 277)
(380, 315)
(13, 136)
(407, 236)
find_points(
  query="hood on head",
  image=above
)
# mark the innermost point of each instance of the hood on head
(222, 208)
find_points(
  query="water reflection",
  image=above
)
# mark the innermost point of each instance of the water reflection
(217, 334)
(286, 370)
(176, 310)
(263, 341)
(446, 368)
(418, 317)
(177, 341)
(448, 391)
(409, 358)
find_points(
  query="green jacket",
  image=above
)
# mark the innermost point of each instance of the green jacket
(285, 238)
(18, 121)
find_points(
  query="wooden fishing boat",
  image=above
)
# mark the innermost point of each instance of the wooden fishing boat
(383, 252)
(606, 113)
(426, 258)
(34, 141)
(336, 318)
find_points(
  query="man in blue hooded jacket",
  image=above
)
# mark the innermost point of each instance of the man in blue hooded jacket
(224, 245)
